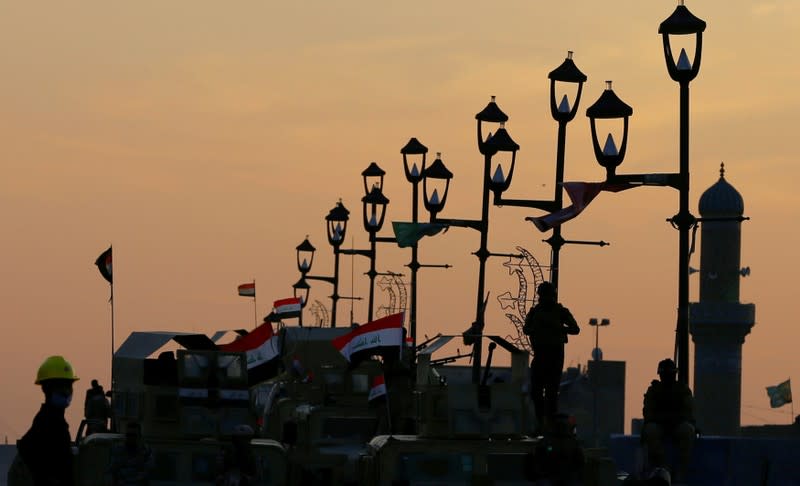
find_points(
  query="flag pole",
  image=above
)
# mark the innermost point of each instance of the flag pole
(388, 410)
(105, 265)
(112, 336)
(111, 381)
(255, 307)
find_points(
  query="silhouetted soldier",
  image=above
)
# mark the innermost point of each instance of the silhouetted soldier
(131, 461)
(547, 324)
(668, 415)
(45, 451)
(96, 409)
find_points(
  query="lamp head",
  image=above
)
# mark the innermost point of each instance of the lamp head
(565, 74)
(305, 256)
(413, 170)
(609, 107)
(372, 175)
(374, 205)
(682, 23)
(438, 177)
(490, 114)
(337, 224)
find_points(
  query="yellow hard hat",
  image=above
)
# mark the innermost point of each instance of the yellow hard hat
(55, 367)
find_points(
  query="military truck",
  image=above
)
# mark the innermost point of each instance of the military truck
(177, 462)
(469, 433)
(319, 407)
(188, 402)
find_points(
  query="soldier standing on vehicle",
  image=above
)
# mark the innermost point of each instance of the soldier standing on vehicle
(668, 415)
(547, 325)
(96, 409)
(131, 461)
(45, 451)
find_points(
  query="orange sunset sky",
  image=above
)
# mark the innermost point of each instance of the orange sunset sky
(205, 140)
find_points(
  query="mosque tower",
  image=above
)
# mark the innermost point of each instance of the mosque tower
(719, 322)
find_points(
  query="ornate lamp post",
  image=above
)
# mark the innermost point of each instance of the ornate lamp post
(566, 77)
(438, 177)
(683, 71)
(414, 170)
(336, 222)
(374, 212)
(682, 22)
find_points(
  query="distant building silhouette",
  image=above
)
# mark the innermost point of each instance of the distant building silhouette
(719, 322)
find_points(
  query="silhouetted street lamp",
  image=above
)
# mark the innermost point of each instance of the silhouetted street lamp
(336, 225)
(413, 170)
(683, 71)
(597, 355)
(566, 77)
(436, 184)
(374, 213)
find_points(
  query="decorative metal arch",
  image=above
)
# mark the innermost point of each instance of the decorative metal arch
(394, 285)
(320, 312)
(529, 275)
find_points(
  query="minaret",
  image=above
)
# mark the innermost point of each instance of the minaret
(719, 322)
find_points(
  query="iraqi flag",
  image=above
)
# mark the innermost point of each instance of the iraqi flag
(248, 289)
(103, 263)
(581, 194)
(287, 308)
(377, 390)
(261, 347)
(384, 335)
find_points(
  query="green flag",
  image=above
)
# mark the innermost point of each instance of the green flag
(780, 395)
(408, 234)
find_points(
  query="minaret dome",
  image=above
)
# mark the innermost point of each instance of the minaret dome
(721, 199)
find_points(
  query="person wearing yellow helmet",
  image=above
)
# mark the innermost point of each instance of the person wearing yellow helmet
(46, 449)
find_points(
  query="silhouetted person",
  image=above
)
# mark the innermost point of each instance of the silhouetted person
(668, 415)
(131, 461)
(96, 409)
(45, 451)
(547, 324)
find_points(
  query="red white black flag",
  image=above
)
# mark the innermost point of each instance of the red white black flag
(376, 337)
(248, 289)
(378, 388)
(261, 347)
(287, 308)
(103, 263)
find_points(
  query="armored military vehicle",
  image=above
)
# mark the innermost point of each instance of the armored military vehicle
(188, 402)
(319, 407)
(469, 433)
